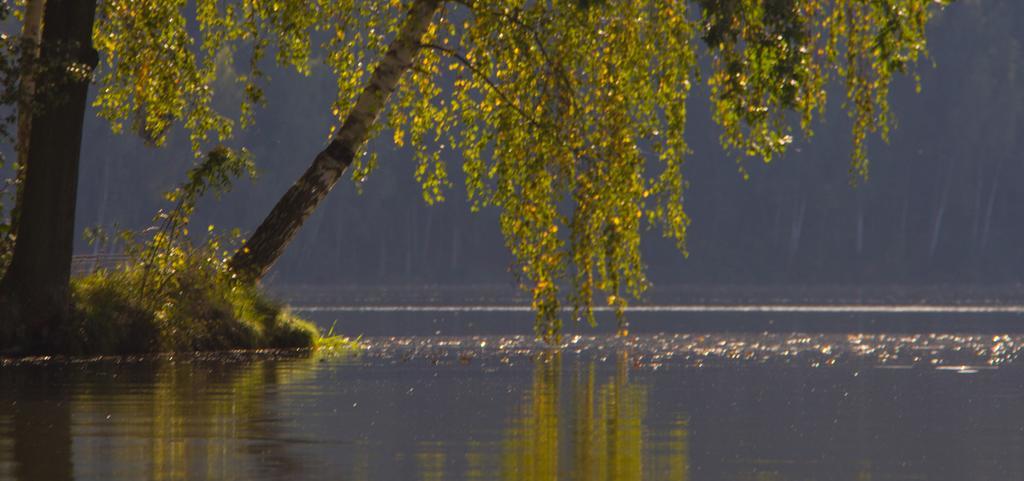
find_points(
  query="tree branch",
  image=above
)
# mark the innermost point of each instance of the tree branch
(486, 79)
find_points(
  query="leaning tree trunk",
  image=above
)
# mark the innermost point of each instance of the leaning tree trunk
(284, 221)
(35, 286)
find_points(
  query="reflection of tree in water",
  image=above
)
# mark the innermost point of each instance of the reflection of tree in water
(199, 421)
(162, 422)
(531, 443)
(602, 435)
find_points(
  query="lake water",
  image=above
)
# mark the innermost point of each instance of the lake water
(684, 406)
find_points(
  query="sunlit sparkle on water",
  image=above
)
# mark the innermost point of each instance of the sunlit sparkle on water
(925, 350)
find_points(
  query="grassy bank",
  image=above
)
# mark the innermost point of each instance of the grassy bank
(192, 307)
(111, 315)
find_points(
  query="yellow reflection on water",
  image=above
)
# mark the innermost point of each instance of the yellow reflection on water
(530, 450)
(184, 422)
(590, 427)
(430, 460)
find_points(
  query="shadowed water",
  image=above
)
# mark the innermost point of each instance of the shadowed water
(653, 407)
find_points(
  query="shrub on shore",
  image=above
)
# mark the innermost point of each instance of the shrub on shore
(201, 310)
(177, 297)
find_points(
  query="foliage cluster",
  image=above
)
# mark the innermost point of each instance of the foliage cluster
(569, 116)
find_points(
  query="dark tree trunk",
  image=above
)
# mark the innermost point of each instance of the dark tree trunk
(35, 286)
(284, 221)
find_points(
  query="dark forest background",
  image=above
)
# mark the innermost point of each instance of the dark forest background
(944, 203)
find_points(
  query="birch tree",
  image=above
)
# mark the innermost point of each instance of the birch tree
(567, 116)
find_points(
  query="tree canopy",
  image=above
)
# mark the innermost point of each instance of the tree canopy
(569, 117)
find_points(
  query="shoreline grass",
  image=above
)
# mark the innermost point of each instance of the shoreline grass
(198, 309)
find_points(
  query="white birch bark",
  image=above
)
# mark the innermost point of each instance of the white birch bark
(273, 235)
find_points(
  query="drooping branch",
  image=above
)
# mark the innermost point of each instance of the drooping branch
(536, 38)
(545, 127)
(482, 76)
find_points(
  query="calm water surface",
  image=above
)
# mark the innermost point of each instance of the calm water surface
(655, 407)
